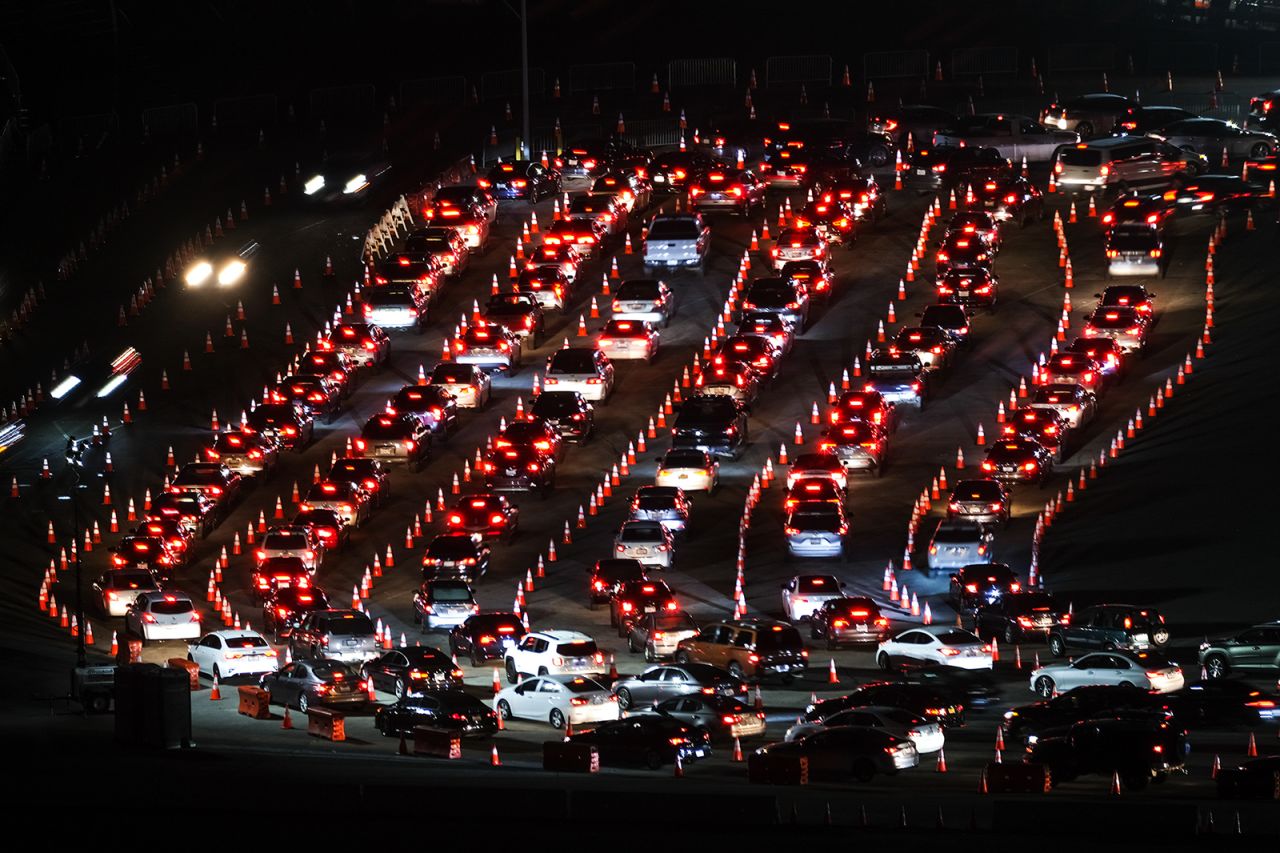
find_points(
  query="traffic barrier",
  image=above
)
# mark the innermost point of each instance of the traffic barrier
(564, 757)
(326, 723)
(255, 703)
(437, 743)
(765, 769)
(191, 667)
(1017, 778)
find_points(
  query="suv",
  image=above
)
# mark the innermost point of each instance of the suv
(1121, 162)
(345, 635)
(748, 648)
(1110, 626)
(1257, 647)
(1138, 750)
(554, 653)
(676, 240)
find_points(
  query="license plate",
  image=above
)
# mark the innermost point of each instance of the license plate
(963, 294)
(386, 451)
(683, 477)
(920, 171)
(511, 472)
(659, 179)
(642, 551)
(651, 610)
(715, 196)
(718, 391)
(1140, 638)
(349, 642)
(1008, 468)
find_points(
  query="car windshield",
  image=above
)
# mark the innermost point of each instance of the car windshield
(349, 624)
(674, 622)
(578, 649)
(779, 638)
(673, 229)
(573, 361)
(450, 591)
(451, 548)
(172, 607)
(638, 290)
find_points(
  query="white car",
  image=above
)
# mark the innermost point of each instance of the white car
(942, 646)
(645, 299)
(468, 384)
(804, 594)
(554, 653)
(222, 654)
(690, 470)
(170, 615)
(926, 734)
(1146, 670)
(629, 339)
(558, 699)
(647, 541)
(291, 542)
(587, 371)
(120, 588)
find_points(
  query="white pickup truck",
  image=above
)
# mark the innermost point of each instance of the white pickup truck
(675, 241)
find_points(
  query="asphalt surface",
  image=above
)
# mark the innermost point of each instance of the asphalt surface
(1144, 530)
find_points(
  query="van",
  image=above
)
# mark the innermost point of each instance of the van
(345, 635)
(1121, 162)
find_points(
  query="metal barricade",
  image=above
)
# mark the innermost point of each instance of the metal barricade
(171, 120)
(507, 84)
(251, 112)
(1185, 58)
(340, 104)
(712, 71)
(987, 61)
(886, 64)
(434, 90)
(602, 77)
(794, 70)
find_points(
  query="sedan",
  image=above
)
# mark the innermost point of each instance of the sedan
(658, 634)
(645, 740)
(629, 339)
(804, 594)
(646, 300)
(689, 470)
(116, 590)
(486, 636)
(412, 670)
(844, 751)
(939, 646)
(1019, 617)
(666, 680)
(647, 541)
(559, 700)
(1212, 136)
(223, 654)
(848, 620)
(723, 717)
(451, 710)
(1147, 670)
(666, 505)
(456, 555)
(924, 732)
(957, 543)
(1074, 404)
(320, 682)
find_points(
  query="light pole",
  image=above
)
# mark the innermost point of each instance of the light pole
(525, 141)
(73, 465)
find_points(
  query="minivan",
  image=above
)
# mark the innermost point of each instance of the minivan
(1120, 162)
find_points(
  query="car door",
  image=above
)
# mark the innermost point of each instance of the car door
(1090, 669)
(551, 694)
(1246, 650)
(1034, 142)
(294, 683)
(208, 653)
(524, 698)
(675, 682)
(522, 655)
(826, 751)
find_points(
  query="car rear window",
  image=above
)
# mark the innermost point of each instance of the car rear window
(979, 491)
(956, 533)
(380, 427)
(578, 649)
(573, 361)
(333, 671)
(348, 624)
(655, 502)
(130, 580)
(825, 521)
(668, 229)
(1032, 602)
(637, 533)
(637, 290)
(247, 642)
(581, 685)
(955, 638)
(819, 585)
(555, 404)
(1134, 241)
(450, 591)
(675, 622)
(451, 547)
(1085, 157)
(171, 608)
(684, 459)
(285, 541)
(386, 296)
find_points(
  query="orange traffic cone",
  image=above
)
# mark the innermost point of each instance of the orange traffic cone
(1115, 783)
(941, 766)
(215, 694)
(832, 676)
(495, 760)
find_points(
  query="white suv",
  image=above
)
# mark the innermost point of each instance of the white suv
(554, 653)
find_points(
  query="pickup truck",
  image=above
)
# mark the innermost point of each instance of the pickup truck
(1014, 136)
(679, 240)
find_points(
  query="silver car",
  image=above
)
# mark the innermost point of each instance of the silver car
(1074, 404)
(980, 501)
(1211, 136)
(290, 542)
(645, 299)
(666, 680)
(444, 603)
(676, 240)
(666, 505)
(816, 529)
(658, 634)
(1088, 115)
(1014, 136)
(959, 543)
(647, 541)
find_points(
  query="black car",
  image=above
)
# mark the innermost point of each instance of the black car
(432, 404)
(345, 178)
(1223, 702)
(981, 584)
(289, 423)
(938, 702)
(1058, 714)
(197, 514)
(411, 670)
(316, 395)
(1255, 778)
(486, 636)
(1139, 120)
(838, 752)
(945, 167)
(645, 740)
(279, 573)
(518, 469)
(332, 365)
(1019, 616)
(518, 313)
(917, 121)
(1139, 750)
(455, 555)
(968, 289)
(608, 576)
(960, 250)
(952, 319)
(568, 412)
(1018, 460)
(716, 424)
(1110, 626)
(450, 710)
(899, 377)
(525, 179)
(369, 474)
(856, 619)
(280, 612)
(974, 688)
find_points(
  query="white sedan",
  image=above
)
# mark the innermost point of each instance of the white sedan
(223, 654)
(941, 646)
(1138, 669)
(629, 340)
(645, 299)
(162, 615)
(558, 699)
(691, 470)
(804, 594)
(647, 541)
(925, 733)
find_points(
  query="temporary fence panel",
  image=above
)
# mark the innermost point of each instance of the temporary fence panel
(343, 103)
(90, 129)
(1194, 58)
(602, 77)
(508, 84)
(713, 71)
(251, 112)
(172, 119)
(987, 61)
(1082, 57)
(433, 90)
(885, 64)
(651, 133)
(790, 70)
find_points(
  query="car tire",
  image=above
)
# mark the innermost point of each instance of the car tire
(682, 657)
(304, 703)
(884, 661)
(1085, 129)
(1045, 687)
(513, 675)
(653, 760)
(650, 656)
(863, 769)
(625, 701)
(1216, 666)
(397, 689)
(1010, 637)
(878, 156)
(556, 718)
(504, 709)
(1260, 150)
(1057, 646)
(736, 671)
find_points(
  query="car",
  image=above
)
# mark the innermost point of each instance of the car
(564, 260)
(170, 530)
(1135, 250)
(472, 224)
(1042, 425)
(366, 344)
(933, 701)
(634, 599)
(713, 423)
(733, 190)
(211, 479)
(460, 197)
(861, 192)
(724, 718)
(940, 646)
(549, 285)
(345, 635)
(288, 423)
(1261, 170)
(1149, 119)
(1214, 137)
(232, 652)
(823, 465)
(486, 635)
(785, 297)
(899, 377)
(488, 346)
(592, 158)
(747, 648)
(645, 300)
(1254, 648)
(469, 385)
(817, 529)
(532, 434)
(608, 575)
(327, 525)
(1136, 750)
(787, 168)
(848, 619)
(671, 172)
(725, 377)
(587, 371)
(663, 681)
(961, 250)
(346, 178)
(646, 740)
(968, 288)
(840, 752)
(565, 653)
(518, 313)
(444, 602)
(666, 505)
(957, 543)
(369, 474)
(1127, 326)
(395, 307)
(769, 325)
(629, 339)
(289, 541)
(309, 684)
(675, 241)
(196, 513)
(585, 235)
(925, 733)
(835, 220)
(315, 394)
(813, 489)
(947, 168)
(859, 445)
(607, 210)
(1088, 115)
(1074, 404)
(1218, 195)
(1147, 670)
(1010, 198)
(244, 451)
(522, 180)
(277, 573)
(1018, 460)
(647, 541)
(802, 595)
(1107, 352)
(1054, 716)
(1014, 136)
(424, 270)
(1217, 702)
(350, 501)
(815, 275)
(118, 589)
(281, 612)
(150, 553)
(632, 189)
(978, 584)
(657, 635)
(455, 555)
(910, 123)
(566, 412)
(798, 244)
(758, 351)
(483, 516)
(518, 468)
(448, 710)
(1110, 627)
(982, 500)
(1134, 208)
(1252, 778)
(411, 670)
(688, 470)
(1122, 163)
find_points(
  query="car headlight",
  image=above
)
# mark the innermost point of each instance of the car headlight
(198, 274)
(314, 185)
(232, 272)
(356, 184)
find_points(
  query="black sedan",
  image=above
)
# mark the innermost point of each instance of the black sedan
(944, 705)
(839, 752)
(451, 710)
(455, 555)
(486, 636)
(1019, 617)
(645, 740)
(280, 612)
(1081, 703)
(567, 412)
(303, 684)
(410, 671)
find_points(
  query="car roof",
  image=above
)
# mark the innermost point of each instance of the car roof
(235, 634)
(563, 636)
